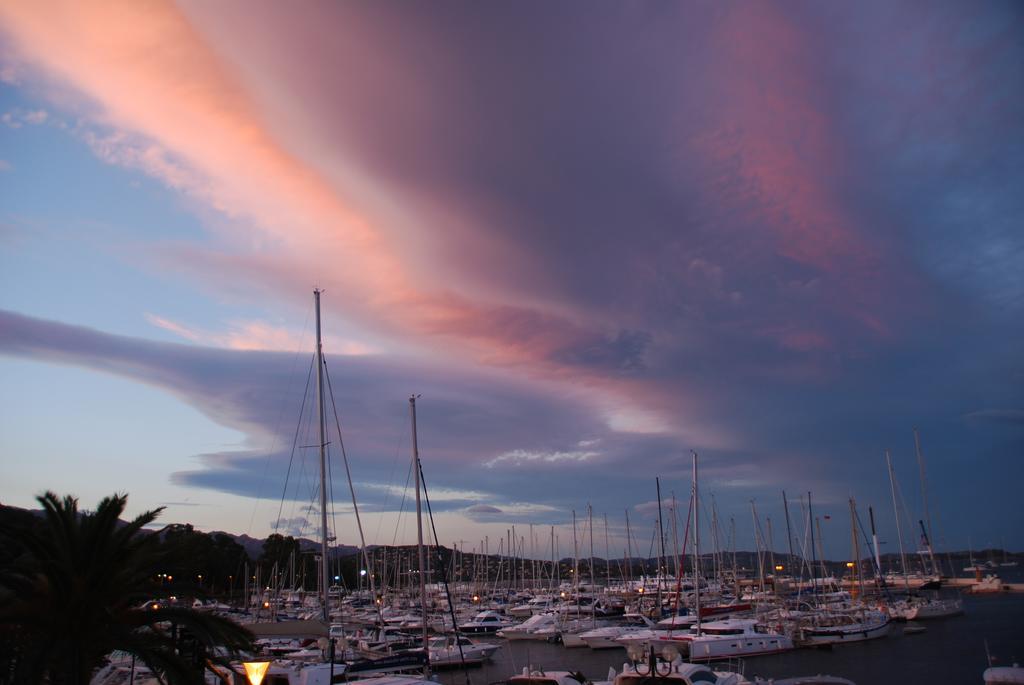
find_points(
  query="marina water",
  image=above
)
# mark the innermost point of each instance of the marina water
(951, 650)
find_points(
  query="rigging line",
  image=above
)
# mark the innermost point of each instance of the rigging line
(330, 475)
(391, 479)
(302, 479)
(330, 487)
(295, 442)
(280, 420)
(874, 565)
(907, 516)
(401, 506)
(348, 474)
(444, 570)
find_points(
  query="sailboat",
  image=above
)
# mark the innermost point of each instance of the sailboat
(722, 639)
(296, 672)
(1006, 563)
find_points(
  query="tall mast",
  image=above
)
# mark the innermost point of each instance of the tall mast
(758, 546)
(810, 526)
(590, 525)
(325, 613)
(554, 562)
(924, 500)
(696, 543)
(575, 560)
(608, 555)
(419, 531)
(732, 541)
(857, 575)
(629, 552)
(874, 543)
(789, 533)
(716, 557)
(896, 511)
(661, 537)
(674, 510)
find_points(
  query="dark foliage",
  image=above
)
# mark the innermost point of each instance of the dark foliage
(75, 587)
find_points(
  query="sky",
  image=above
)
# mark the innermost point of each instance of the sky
(592, 237)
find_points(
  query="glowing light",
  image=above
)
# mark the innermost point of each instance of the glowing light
(849, 564)
(266, 605)
(155, 607)
(255, 670)
(778, 567)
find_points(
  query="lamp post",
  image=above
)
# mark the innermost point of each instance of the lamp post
(255, 671)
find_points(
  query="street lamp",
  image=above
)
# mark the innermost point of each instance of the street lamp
(255, 671)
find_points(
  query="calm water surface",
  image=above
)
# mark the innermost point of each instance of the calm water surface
(952, 650)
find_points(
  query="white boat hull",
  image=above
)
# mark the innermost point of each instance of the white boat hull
(572, 640)
(729, 646)
(816, 637)
(602, 641)
(938, 609)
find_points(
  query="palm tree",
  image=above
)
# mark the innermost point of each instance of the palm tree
(81, 588)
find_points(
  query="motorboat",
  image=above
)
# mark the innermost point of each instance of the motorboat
(447, 651)
(544, 677)
(605, 638)
(672, 670)
(528, 629)
(534, 606)
(731, 637)
(1004, 675)
(485, 622)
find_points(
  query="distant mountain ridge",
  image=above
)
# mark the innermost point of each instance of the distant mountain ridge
(254, 546)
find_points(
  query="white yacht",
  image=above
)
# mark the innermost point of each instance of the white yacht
(528, 629)
(485, 622)
(731, 637)
(605, 638)
(445, 651)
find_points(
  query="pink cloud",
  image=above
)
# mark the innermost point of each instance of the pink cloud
(166, 102)
(253, 335)
(775, 141)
